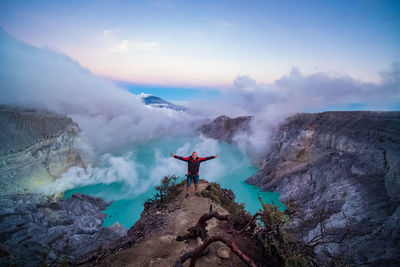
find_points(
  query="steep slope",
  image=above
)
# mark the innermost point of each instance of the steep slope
(35, 147)
(345, 166)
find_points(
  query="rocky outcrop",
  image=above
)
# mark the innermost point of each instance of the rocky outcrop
(152, 241)
(36, 147)
(224, 128)
(345, 166)
(33, 225)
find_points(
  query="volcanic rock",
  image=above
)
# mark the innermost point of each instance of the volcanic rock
(224, 128)
(340, 170)
(33, 225)
(35, 147)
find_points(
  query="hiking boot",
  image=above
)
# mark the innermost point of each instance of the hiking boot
(187, 195)
(197, 194)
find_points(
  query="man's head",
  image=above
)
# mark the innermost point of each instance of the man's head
(194, 155)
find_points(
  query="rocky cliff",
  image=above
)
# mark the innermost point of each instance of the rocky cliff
(342, 171)
(224, 128)
(36, 147)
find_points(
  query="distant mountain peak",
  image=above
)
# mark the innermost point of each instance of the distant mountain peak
(157, 102)
(143, 95)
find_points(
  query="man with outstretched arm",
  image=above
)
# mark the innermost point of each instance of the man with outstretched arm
(193, 170)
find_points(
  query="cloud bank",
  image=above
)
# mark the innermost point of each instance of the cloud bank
(270, 104)
(110, 117)
(295, 92)
(135, 174)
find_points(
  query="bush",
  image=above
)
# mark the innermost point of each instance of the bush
(168, 189)
(225, 198)
(296, 261)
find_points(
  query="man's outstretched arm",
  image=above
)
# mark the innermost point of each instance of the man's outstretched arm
(208, 158)
(179, 157)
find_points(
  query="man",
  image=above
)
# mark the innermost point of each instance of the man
(193, 170)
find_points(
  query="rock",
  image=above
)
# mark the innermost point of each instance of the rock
(167, 239)
(224, 128)
(35, 147)
(223, 252)
(118, 229)
(347, 166)
(71, 228)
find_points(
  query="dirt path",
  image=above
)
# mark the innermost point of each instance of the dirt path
(164, 250)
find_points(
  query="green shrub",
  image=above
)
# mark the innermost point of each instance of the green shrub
(276, 240)
(296, 261)
(221, 196)
(168, 189)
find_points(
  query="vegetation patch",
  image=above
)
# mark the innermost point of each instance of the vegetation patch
(167, 190)
(226, 199)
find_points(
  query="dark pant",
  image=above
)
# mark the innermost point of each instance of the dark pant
(190, 177)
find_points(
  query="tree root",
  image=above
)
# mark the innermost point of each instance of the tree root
(199, 230)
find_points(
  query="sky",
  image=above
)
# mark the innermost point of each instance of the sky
(208, 44)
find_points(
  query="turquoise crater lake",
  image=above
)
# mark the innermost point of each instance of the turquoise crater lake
(128, 178)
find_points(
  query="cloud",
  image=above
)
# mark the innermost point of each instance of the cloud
(133, 175)
(117, 44)
(110, 117)
(106, 35)
(165, 165)
(270, 104)
(111, 169)
(318, 91)
(122, 171)
(127, 45)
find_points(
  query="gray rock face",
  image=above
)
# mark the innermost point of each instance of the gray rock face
(35, 147)
(31, 224)
(224, 128)
(347, 166)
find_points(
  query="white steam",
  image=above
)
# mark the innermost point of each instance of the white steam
(109, 116)
(165, 165)
(271, 104)
(138, 175)
(111, 169)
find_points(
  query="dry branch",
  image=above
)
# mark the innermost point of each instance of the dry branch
(199, 230)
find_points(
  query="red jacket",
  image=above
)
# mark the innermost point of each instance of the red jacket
(193, 164)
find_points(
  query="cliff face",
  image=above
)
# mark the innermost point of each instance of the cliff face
(345, 166)
(36, 147)
(224, 128)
